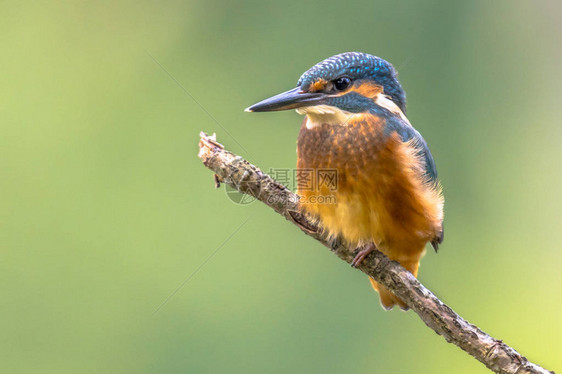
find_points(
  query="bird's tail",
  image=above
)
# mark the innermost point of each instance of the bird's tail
(387, 298)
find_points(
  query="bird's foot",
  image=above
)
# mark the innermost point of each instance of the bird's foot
(300, 220)
(360, 256)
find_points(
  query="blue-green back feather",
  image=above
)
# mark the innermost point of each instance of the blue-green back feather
(407, 133)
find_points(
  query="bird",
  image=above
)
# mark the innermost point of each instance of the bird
(383, 193)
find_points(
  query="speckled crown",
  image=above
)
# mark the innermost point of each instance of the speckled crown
(353, 64)
(357, 65)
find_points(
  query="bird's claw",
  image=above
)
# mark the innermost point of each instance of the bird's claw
(300, 220)
(360, 256)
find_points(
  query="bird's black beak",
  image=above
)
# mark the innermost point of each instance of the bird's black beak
(291, 99)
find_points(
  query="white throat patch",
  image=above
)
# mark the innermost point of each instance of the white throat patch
(320, 114)
(385, 102)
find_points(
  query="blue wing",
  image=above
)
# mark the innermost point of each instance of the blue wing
(407, 133)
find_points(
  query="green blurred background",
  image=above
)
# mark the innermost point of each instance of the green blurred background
(106, 210)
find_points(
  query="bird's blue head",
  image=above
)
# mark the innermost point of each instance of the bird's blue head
(352, 82)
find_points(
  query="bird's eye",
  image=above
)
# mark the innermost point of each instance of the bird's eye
(342, 83)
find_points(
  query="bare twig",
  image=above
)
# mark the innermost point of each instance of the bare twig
(247, 178)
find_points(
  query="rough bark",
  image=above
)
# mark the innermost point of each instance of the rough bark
(247, 178)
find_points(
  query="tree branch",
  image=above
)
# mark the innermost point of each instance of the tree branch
(247, 178)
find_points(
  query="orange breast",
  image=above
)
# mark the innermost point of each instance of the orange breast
(381, 195)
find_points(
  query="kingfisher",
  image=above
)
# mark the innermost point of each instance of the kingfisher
(388, 196)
